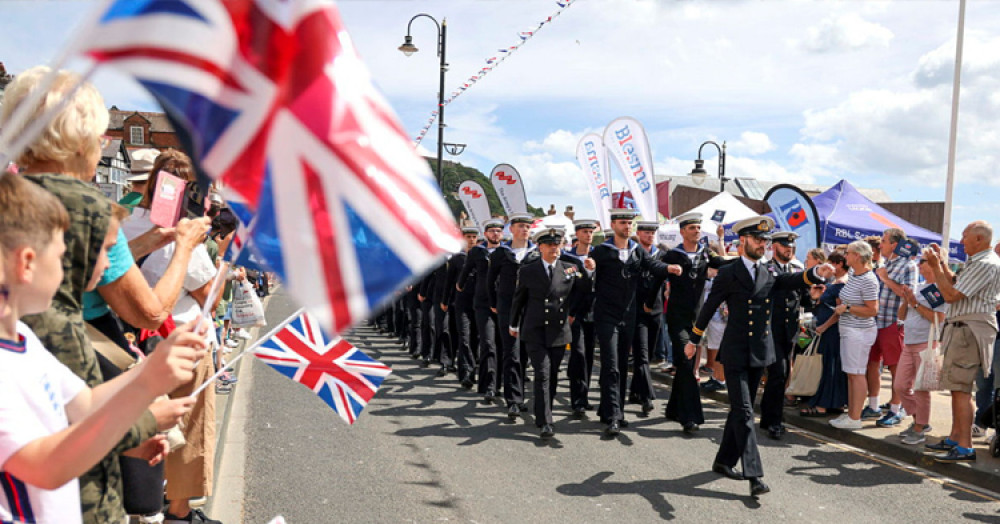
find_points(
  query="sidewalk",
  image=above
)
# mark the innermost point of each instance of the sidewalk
(985, 472)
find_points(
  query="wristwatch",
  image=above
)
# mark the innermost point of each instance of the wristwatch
(848, 310)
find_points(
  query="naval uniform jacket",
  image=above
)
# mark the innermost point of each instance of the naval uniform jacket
(583, 307)
(503, 272)
(461, 299)
(785, 316)
(650, 291)
(438, 285)
(686, 289)
(474, 273)
(541, 304)
(747, 341)
(615, 281)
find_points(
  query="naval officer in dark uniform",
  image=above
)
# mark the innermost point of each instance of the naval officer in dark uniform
(461, 312)
(686, 290)
(474, 275)
(547, 290)
(784, 331)
(748, 288)
(505, 262)
(618, 264)
(648, 318)
(581, 353)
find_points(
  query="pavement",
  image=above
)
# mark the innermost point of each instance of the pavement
(985, 472)
(424, 450)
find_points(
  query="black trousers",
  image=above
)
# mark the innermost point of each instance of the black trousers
(463, 327)
(615, 339)
(739, 438)
(581, 362)
(546, 361)
(685, 396)
(415, 321)
(647, 333)
(772, 403)
(426, 329)
(489, 378)
(510, 353)
(399, 318)
(442, 351)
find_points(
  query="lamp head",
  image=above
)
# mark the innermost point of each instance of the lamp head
(698, 174)
(408, 48)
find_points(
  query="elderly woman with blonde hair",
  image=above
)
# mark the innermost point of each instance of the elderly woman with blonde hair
(857, 307)
(63, 159)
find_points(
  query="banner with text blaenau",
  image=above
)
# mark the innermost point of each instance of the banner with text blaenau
(507, 181)
(794, 211)
(626, 139)
(593, 158)
(474, 199)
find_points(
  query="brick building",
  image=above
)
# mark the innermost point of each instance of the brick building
(142, 129)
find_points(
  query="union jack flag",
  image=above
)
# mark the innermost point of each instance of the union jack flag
(344, 377)
(270, 97)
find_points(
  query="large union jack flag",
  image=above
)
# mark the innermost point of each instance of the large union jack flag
(270, 97)
(343, 376)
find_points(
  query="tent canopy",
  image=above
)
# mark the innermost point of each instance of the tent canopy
(846, 215)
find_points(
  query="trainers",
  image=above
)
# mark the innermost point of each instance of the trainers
(713, 385)
(846, 422)
(977, 431)
(244, 334)
(196, 516)
(916, 437)
(869, 414)
(957, 454)
(889, 420)
(230, 343)
(945, 445)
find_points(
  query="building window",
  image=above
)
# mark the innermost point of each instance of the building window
(136, 135)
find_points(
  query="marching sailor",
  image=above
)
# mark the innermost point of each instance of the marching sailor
(581, 356)
(474, 276)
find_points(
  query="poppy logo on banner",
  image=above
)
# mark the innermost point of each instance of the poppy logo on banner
(795, 216)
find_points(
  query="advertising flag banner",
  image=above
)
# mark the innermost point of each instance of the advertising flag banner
(593, 158)
(794, 211)
(626, 140)
(507, 181)
(474, 199)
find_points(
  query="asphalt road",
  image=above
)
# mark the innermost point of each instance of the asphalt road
(427, 451)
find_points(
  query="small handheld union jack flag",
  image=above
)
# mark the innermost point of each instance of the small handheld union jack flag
(344, 377)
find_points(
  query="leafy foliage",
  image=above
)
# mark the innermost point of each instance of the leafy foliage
(453, 174)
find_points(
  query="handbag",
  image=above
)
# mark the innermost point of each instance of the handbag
(931, 360)
(247, 308)
(806, 372)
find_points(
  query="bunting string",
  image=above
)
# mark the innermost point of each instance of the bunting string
(492, 63)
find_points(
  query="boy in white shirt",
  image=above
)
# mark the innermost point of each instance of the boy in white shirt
(53, 427)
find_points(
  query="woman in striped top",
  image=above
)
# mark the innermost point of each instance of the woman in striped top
(858, 305)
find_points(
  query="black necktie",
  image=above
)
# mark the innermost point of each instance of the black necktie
(548, 269)
(753, 273)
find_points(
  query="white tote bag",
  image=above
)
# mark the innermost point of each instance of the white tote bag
(247, 309)
(929, 372)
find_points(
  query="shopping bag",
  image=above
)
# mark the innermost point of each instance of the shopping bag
(247, 309)
(929, 373)
(806, 372)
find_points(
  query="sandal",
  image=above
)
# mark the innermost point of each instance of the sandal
(812, 412)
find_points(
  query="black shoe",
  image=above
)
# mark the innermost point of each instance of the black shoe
(442, 372)
(690, 427)
(547, 432)
(452, 369)
(613, 428)
(513, 412)
(489, 397)
(776, 432)
(758, 488)
(589, 407)
(712, 385)
(425, 363)
(727, 471)
(415, 356)
(955, 455)
(467, 384)
(633, 399)
(579, 412)
(623, 423)
(647, 407)
(196, 516)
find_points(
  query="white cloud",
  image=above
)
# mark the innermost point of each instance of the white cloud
(560, 141)
(980, 62)
(847, 32)
(752, 143)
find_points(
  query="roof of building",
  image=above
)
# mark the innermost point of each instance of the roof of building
(756, 189)
(158, 122)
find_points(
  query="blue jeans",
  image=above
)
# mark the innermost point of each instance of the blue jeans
(984, 385)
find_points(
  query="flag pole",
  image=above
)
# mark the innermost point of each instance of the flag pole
(255, 345)
(953, 136)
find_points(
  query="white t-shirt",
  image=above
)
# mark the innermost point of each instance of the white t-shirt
(34, 391)
(201, 269)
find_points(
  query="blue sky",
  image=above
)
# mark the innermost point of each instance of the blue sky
(803, 91)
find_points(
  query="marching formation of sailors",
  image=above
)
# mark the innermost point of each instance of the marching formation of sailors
(488, 310)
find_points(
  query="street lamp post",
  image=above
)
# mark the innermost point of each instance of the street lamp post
(408, 49)
(699, 173)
